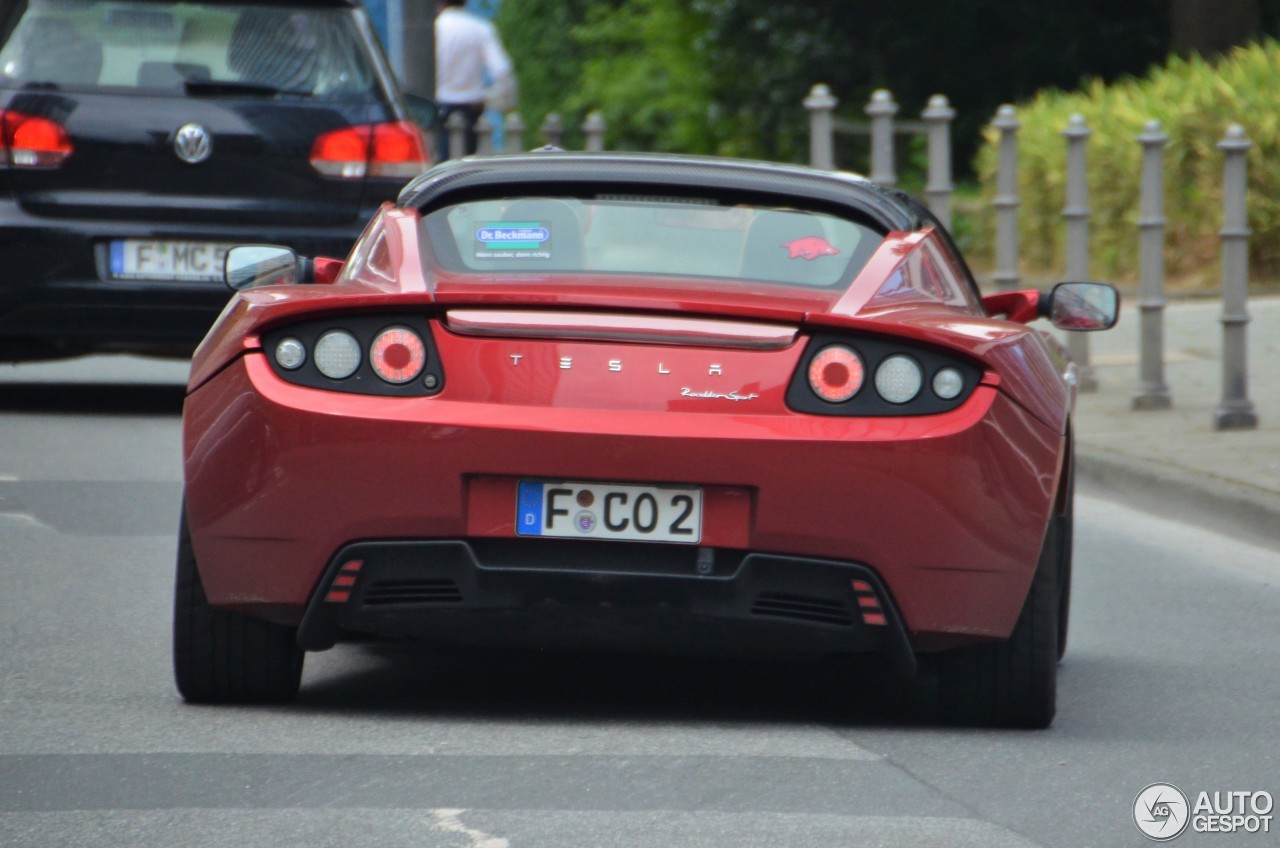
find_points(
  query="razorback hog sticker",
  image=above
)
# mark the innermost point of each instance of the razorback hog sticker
(810, 248)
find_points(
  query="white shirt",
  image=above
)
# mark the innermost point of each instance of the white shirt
(467, 47)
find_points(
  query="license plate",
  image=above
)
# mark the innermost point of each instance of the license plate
(188, 261)
(610, 511)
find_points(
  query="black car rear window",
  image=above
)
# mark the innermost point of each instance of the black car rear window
(251, 48)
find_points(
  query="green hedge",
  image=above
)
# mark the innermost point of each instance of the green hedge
(1195, 101)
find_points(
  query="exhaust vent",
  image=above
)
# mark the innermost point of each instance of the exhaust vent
(420, 592)
(801, 608)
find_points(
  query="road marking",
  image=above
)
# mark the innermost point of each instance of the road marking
(449, 821)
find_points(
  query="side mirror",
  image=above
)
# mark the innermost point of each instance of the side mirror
(252, 265)
(1082, 307)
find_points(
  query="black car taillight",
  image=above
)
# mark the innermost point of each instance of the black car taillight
(30, 141)
(391, 150)
(372, 355)
(875, 376)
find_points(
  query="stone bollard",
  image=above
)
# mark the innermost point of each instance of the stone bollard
(513, 133)
(881, 110)
(1076, 214)
(1235, 411)
(552, 130)
(1152, 391)
(457, 128)
(484, 135)
(1006, 200)
(593, 128)
(938, 187)
(821, 104)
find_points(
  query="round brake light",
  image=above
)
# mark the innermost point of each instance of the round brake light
(398, 355)
(836, 373)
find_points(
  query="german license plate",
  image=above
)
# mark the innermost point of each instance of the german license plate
(609, 511)
(187, 261)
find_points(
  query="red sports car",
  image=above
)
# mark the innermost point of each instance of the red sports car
(656, 402)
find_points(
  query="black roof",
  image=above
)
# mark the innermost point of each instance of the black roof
(649, 173)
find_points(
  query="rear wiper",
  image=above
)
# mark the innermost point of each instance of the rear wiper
(250, 89)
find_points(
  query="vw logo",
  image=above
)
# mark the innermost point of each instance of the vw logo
(192, 144)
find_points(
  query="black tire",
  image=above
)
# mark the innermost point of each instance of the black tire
(223, 657)
(1066, 533)
(1011, 683)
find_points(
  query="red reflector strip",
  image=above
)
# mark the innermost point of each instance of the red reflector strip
(345, 580)
(337, 596)
(354, 566)
(873, 618)
(862, 586)
(868, 603)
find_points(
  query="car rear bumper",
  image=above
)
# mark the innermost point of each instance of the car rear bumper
(603, 594)
(947, 512)
(56, 294)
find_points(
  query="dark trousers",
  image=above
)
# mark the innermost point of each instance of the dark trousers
(471, 112)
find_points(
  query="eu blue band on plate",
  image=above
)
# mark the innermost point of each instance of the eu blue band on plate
(529, 509)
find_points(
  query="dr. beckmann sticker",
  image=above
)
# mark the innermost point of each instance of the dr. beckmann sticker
(513, 240)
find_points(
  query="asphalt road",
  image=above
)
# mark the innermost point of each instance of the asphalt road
(1171, 676)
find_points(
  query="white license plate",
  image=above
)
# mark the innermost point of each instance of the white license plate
(609, 511)
(188, 261)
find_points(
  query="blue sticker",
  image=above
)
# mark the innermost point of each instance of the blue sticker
(513, 236)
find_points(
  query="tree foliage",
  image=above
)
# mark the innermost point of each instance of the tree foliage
(539, 36)
(729, 76)
(646, 72)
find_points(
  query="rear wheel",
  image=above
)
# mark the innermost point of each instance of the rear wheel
(1011, 683)
(223, 657)
(1066, 532)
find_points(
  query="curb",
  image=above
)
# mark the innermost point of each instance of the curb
(1240, 511)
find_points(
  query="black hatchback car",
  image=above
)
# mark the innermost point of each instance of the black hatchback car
(140, 139)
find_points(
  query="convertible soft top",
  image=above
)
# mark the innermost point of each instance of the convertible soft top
(553, 172)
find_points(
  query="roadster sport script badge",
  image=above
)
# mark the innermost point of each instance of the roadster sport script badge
(192, 144)
(710, 395)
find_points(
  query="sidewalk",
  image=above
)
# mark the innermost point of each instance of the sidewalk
(1174, 461)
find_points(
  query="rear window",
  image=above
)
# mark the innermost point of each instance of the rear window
(623, 234)
(186, 46)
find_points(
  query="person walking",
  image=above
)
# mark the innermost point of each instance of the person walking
(469, 54)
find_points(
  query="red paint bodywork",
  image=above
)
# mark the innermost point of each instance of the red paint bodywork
(950, 509)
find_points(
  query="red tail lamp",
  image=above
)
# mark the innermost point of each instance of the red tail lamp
(33, 142)
(398, 355)
(836, 373)
(395, 149)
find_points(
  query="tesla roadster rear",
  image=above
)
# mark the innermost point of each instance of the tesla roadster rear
(643, 402)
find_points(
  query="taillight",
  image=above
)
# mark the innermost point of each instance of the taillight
(836, 374)
(395, 150)
(397, 355)
(28, 141)
(399, 150)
